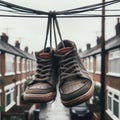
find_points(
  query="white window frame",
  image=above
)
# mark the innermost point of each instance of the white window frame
(91, 64)
(31, 61)
(88, 63)
(28, 65)
(34, 65)
(98, 64)
(23, 65)
(113, 93)
(85, 62)
(114, 55)
(9, 89)
(18, 92)
(18, 65)
(9, 60)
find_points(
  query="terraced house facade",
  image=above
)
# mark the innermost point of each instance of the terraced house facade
(16, 67)
(92, 61)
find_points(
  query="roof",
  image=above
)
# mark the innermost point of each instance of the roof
(110, 44)
(6, 47)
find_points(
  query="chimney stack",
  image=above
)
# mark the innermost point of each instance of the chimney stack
(26, 49)
(117, 27)
(4, 37)
(98, 40)
(80, 50)
(88, 46)
(17, 44)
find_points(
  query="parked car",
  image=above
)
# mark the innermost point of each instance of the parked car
(80, 112)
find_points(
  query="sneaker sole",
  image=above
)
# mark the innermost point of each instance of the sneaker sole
(37, 98)
(79, 99)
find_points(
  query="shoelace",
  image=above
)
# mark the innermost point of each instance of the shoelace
(69, 66)
(43, 71)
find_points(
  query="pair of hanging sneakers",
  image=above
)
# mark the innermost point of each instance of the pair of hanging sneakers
(62, 66)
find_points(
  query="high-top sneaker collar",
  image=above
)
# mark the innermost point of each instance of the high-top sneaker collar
(44, 54)
(64, 50)
(67, 48)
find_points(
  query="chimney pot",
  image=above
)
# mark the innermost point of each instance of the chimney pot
(26, 49)
(80, 50)
(98, 40)
(88, 46)
(4, 37)
(117, 27)
(17, 44)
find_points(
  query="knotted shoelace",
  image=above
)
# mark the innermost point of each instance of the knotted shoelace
(43, 72)
(69, 65)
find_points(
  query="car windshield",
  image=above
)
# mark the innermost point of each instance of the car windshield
(82, 105)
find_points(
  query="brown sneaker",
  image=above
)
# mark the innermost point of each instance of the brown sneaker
(43, 87)
(75, 84)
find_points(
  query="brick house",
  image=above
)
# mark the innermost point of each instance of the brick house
(16, 67)
(92, 61)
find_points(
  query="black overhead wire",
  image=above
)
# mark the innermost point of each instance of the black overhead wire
(21, 9)
(62, 16)
(16, 12)
(87, 8)
(29, 13)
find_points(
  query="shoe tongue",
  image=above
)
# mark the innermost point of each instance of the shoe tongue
(44, 55)
(64, 50)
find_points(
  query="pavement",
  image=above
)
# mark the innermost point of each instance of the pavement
(54, 111)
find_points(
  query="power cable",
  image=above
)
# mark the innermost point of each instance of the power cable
(21, 8)
(87, 8)
(65, 12)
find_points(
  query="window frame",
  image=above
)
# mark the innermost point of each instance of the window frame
(91, 64)
(23, 65)
(112, 56)
(18, 60)
(9, 90)
(111, 92)
(9, 61)
(98, 62)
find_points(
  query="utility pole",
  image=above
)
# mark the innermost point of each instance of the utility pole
(103, 81)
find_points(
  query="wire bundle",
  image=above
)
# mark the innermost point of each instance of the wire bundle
(20, 11)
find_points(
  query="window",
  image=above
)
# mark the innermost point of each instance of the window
(9, 64)
(18, 64)
(31, 65)
(23, 85)
(28, 65)
(114, 63)
(113, 103)
(34, 65)
(23, 65)
(91, 64)
(85, 62)
(88, 64)
(9, 97)
(18, 93)
(98, 63)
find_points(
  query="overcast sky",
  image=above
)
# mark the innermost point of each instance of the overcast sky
(31, 32)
